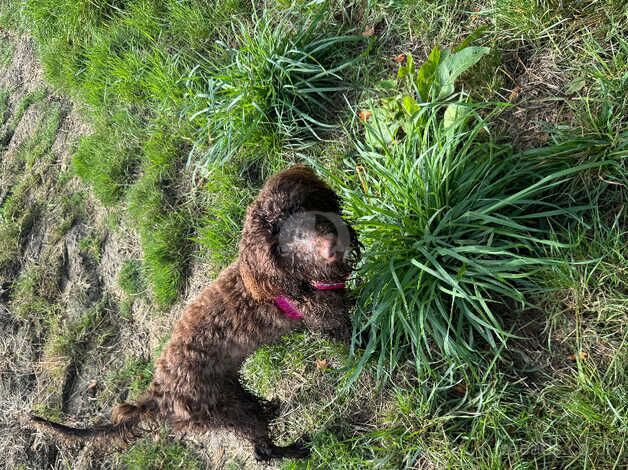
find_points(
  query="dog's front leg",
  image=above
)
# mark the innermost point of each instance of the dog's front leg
(336, 328)
(328, 314)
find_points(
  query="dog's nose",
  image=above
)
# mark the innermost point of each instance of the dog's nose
(329, 249)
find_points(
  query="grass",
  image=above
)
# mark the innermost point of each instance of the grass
(105, 167)
(35, 291)
(73, 336)
(280, 83)
(71, 211)
(9, 245)
(164, 233)
(130, 278)
(6, 52)
(66, 345)
(218, 232)
(4, 105)
(454, 222)
(132, 377)
(16, 116)
(91, 247)
(150, 454)
(29, 162)
(305, 372)
(120, 61)
(491, 296)
(501, 417)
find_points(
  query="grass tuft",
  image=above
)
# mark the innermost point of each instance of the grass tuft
(131, 378)
(164, 234)
(280, 84)
(455, 223)
(130, 278)
(105, 164)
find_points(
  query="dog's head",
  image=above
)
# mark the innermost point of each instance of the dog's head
(294, 237)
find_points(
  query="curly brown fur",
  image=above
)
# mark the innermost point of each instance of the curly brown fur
(293, 236)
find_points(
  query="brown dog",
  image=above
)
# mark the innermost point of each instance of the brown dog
(295, 254)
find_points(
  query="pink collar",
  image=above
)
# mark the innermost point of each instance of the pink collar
(284, 304)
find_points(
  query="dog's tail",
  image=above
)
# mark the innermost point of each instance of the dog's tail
(125, 426)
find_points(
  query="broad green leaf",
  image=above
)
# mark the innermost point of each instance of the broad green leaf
(455, 114)
(426, 74)
(410, 105)
(402, 72)
(454, 65)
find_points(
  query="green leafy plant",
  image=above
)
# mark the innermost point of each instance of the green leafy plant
(433, 81)
(453, 220)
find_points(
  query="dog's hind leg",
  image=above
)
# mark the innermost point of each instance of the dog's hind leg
(249, 416)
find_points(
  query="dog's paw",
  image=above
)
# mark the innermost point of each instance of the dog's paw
(263, 452)
(299, 450)
(266, 452)
(272, 408)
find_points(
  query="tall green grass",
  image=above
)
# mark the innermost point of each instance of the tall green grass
(281, 83)
(455, 222)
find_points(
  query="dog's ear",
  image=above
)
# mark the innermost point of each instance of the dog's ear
(259, 266)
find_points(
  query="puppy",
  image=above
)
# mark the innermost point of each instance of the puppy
(295, 254)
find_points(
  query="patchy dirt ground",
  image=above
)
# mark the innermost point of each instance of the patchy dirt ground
(65, 329)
